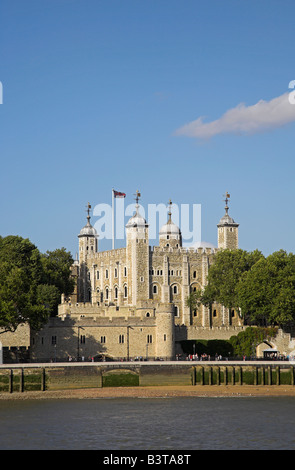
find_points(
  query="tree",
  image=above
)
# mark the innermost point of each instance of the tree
(57, 270)
(30, 283)
(20, 274)
(224, 276)
(267, 291)
(245, 342)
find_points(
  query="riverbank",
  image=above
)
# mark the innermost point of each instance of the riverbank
(157, 392)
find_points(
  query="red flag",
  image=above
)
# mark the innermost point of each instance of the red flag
(118, 194)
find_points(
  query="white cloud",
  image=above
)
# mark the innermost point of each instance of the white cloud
(262, 116)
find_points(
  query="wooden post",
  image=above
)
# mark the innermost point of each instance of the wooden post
(256, 375)
(202, 376)
(269, 375)
(43, 379)
(278, 375)
(10, 381)
(21, 381)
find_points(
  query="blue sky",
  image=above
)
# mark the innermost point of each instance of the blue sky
(102, 94)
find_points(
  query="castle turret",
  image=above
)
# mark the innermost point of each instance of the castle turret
(227, 230)
(137, 238)
(170, 234)
(87, 247)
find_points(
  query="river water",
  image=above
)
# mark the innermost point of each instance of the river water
(205, 423)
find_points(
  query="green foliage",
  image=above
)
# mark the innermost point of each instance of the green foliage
(261, 288)
(30, 283)
(244, 344)
(57, 270)
(120, 380)
(267, 293)
(225, 274)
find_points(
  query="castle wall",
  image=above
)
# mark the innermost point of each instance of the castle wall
(119, 333)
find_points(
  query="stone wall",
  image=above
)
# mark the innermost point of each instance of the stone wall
(63, 376)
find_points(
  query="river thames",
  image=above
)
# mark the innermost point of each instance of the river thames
(190, 423)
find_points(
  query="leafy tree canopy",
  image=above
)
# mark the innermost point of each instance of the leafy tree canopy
(267, 291)
(262, 288)
(246, 341)
(223, 278)
(29, 292)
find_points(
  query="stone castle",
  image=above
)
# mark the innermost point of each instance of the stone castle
(131, 302)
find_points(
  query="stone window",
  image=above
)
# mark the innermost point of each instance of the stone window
(97, 275)
(155, 289)
(116, 292)
(107, 293)
(121, 339)
(103, 339)
(176, 311)
(125, 271)
(107, 273)
(116, 272)
(125, 291)
(147, 314)
(165, 337)
(82, 339)
(53, 340)
(195, 274)
(149, 339)
(214, 313)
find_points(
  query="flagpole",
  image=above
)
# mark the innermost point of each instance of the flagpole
(113, 219)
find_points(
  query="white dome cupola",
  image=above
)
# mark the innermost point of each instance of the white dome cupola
(170, 234)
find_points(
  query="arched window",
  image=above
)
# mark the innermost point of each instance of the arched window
(116, 292)
(125, 291)
(107, 293)
(155, 289)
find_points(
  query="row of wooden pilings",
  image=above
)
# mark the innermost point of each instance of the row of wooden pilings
(22, 381)
(234, 375)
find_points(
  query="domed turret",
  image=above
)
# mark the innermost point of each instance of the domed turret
(87, 237)
(136, 225)
(170, 234)
(88, 230)
(227, 230)
(136, 220)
